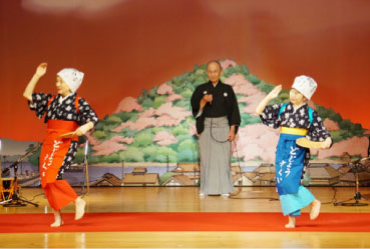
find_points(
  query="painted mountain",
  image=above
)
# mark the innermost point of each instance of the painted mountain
(158, 126)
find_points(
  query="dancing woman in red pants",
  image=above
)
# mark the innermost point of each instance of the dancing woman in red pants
(66, 113)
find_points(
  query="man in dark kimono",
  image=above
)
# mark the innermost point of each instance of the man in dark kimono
(216, 110)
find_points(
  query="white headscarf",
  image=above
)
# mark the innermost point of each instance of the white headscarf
(72, 77)
(305, 85)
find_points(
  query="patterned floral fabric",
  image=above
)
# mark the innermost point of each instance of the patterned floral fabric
(295, 119)
(63, 109)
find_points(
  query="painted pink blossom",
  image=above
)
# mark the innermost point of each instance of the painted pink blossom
(227, 63)
(257, 141)
(111, 146)
(174, 97)
(353, 146)
(128, 104)
(143, 123)
(165, 89)
(251, 152)
(241, 85)
(165, 138)
(120, 139)
(140, 124)
(148, 113)
(331, 125)
(166, 120)
(107, 149)
(165, 115)
(175, 112)
(92, 140)
(252, 103)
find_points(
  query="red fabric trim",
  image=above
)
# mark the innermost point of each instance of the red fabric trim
(59, 194)
(62, 125)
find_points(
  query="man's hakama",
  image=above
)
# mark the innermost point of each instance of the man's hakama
(215, 157)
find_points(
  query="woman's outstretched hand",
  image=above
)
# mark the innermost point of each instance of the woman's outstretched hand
(275, 92)
(82, 130)
(41, 69)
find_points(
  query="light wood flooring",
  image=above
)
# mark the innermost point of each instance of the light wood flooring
(186, 199)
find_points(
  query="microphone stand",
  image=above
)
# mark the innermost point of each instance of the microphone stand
(85, 171)
(357, 167)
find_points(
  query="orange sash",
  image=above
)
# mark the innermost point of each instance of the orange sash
(54, 149)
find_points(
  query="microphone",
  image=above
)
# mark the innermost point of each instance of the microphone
(86, 148)
(210, 92)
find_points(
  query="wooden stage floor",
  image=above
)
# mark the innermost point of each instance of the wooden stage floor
(186, 199)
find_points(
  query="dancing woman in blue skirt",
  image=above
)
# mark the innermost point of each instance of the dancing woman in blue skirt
(296, 120)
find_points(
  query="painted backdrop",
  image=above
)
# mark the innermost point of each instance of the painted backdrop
(142, 60)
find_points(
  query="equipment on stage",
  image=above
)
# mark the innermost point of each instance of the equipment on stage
(10, 190)
(357, 166)
(6, 188)
(85, 170)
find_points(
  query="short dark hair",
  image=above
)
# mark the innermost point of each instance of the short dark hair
(215, 61)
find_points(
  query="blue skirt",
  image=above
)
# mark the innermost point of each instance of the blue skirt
(291, 204)
(289, 164)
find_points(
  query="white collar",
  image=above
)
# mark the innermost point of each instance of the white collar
(296, 108)
(61, 99)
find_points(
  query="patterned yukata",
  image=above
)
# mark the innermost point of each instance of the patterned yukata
(291, 159)
(57, 154)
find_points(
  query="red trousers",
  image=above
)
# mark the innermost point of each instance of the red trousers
(58, 192)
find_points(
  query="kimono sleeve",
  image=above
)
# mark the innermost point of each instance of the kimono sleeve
(234, 116)
(87, 114)
(317, 132)
(39, 103)
(270, 116)
(195, 101)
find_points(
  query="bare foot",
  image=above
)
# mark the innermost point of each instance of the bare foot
(291, 223)
(315, 209)
(80, 208)
(58, 219)
(57, 223)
